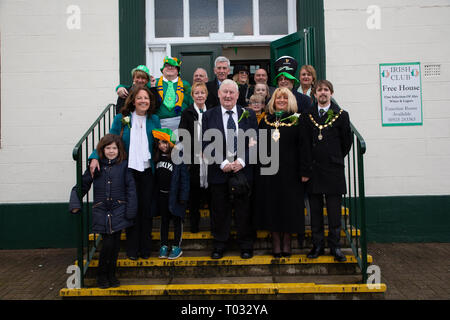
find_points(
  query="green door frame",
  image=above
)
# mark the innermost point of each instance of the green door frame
(132, 39)
(310, 13)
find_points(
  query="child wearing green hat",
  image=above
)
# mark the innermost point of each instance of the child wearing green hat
(172, 186)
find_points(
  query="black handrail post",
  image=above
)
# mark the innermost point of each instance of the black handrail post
(80, 242)
(362, 201)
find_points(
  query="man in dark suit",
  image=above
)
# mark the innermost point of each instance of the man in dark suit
(331, 141)
(228, 118)
(221, 70)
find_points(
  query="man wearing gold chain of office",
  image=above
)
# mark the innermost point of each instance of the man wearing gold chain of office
(331, 141)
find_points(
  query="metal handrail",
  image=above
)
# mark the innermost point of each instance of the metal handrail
(354, 201)
(80, 153)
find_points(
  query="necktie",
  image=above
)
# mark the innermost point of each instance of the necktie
(321, 112)
(170, 97)
(231, 129)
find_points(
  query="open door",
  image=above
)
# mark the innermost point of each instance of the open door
(196, 56)
(299, 45)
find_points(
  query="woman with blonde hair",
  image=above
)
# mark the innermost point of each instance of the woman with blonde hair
(279, 205)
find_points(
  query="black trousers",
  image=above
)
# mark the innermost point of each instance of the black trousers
(166, 216)
(109, 254)
(333, 204)
(139, 236)
(221, 217)
(197, 196)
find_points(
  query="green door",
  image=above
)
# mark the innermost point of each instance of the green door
(195, 56)
(298, 45)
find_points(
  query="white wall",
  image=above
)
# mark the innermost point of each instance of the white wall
(407, 160)
(54, 82)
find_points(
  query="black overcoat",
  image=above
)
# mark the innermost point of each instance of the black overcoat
(328, 167)
(278, 200)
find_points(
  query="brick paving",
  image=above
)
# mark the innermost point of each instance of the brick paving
(411, 271)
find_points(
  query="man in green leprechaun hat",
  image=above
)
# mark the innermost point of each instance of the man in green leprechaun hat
(173, 93)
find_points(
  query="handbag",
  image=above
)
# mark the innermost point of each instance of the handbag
(238, 185)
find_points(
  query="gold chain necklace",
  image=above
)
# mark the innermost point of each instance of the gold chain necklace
(320, 126)
(276, 134)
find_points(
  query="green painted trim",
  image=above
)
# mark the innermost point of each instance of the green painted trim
(310, 13)
(40, 225)
(389, 219)
(132, 43)
(408, 219)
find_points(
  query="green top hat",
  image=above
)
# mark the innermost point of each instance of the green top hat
(141, 68)
(165, 134)
(172, 61)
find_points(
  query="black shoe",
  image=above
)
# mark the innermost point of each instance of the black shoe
(286, 254)
(217, 253)
(144, 256)
(338, 255)
(114, 282)
(132, 257)
(194, 227)
(276, 255)
(315, 252)
(246, 254)
(102, 282)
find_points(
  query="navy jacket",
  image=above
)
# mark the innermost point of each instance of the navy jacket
(212, 119)
(115, 202)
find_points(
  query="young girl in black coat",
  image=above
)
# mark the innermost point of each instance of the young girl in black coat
(114, 207)
(172, 181)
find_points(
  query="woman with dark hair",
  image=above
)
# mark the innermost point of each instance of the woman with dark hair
(278, 206)
(135, 124)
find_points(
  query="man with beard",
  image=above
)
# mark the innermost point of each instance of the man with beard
(331, 141)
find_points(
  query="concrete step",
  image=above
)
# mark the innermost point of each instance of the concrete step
(199, 264)
(253, 287)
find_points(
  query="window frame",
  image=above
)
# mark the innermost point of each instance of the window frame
(221, 36)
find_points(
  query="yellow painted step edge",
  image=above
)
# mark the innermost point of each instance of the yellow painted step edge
(228, 261)
(207, 235)
(204, 213)
(224, 289)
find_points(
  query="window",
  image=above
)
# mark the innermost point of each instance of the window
(182, 21)
(272, 17)
(238, 17)
(168, 18)
(203, 17)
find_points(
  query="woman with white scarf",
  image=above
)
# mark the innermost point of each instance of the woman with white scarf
(135, 124)
(191, 120)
